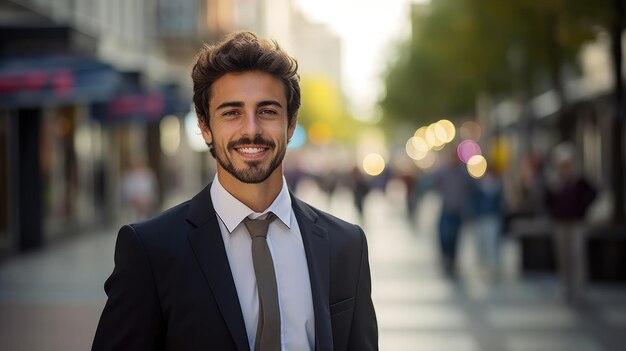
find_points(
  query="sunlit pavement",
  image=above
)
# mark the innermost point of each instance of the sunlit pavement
(418, 308)
(51, 299)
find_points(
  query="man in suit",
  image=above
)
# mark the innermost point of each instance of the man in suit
(186, 279)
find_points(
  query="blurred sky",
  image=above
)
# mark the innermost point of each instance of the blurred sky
(369, 29)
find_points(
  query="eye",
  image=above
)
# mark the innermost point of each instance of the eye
(268, 112)
(230, 113)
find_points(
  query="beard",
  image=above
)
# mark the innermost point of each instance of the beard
(254, 172)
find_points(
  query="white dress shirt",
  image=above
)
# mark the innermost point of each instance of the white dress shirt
(290, 264)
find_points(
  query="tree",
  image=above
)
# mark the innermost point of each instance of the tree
(462, 48)
(324, 111)
(616, 24)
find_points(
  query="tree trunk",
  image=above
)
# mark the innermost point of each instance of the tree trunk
(555, 69)
(617, 130)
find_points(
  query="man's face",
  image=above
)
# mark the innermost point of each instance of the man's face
(248, 125)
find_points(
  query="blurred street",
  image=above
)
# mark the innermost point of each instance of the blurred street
(480, 144)
(51, 299)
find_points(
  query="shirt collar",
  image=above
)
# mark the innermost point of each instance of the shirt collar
(232, 211)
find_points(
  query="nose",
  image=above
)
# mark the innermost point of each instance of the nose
(251, 127)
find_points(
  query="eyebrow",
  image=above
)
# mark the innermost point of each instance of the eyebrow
(241, 104)
(269, 103)
(230, 104)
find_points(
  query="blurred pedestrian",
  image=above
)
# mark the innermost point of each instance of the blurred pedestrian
(568, 199)
(139, 190)
(526, 190)
(293, 175)
(409, 178)
(328, 183)
(454, 185)
(244, 265)
(360, 187)
(489, 210)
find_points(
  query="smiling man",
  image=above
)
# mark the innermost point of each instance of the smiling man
(244, 265)
(251, 124)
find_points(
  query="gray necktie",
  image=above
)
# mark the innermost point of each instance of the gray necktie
(268, 328)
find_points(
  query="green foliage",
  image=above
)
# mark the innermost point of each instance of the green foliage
(323, 107)
(461, 48)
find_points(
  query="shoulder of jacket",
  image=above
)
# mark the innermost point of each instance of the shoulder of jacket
(173, 216)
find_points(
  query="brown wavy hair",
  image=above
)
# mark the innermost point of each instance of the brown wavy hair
(242, 52)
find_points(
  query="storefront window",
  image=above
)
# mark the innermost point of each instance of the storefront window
(59, 170)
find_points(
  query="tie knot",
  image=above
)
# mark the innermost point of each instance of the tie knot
(258, 227)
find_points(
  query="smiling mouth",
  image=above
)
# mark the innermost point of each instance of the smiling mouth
(251, 150)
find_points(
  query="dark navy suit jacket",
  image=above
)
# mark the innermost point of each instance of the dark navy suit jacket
(172, 287)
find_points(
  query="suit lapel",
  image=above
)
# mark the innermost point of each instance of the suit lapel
(317, 250)
(208, 247)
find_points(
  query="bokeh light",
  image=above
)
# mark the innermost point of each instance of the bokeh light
(320, 133)
(411, 150)
(373, 164)
(438, 148)
(500, 152)
(449, 129)
(440, 132)
(298, 139)
(427, 161)
(421, 133)
(433, 136)
(193, 133)
(477, 166)
(471, 130)
(170, 134)
(430, 137)
(416, 148)
(420, 144)
(467, 149)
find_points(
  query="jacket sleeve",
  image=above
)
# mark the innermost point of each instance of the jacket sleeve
(364, 328)
(131, 319)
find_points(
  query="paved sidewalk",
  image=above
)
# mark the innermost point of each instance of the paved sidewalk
(419, 308)
(51, 299)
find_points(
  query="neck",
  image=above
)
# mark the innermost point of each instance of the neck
(258, 197)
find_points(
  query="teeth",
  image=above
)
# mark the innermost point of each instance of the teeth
(251, 150)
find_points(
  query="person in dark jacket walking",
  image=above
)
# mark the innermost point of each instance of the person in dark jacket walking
(568, 201)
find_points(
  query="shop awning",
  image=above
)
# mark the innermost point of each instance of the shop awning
(55, 79)
(133, 102)
(130, 107)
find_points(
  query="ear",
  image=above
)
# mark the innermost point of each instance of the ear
(292, 126)
(206, 131)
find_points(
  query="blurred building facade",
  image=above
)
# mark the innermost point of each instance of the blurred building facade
(91, 89)
(583, 116)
